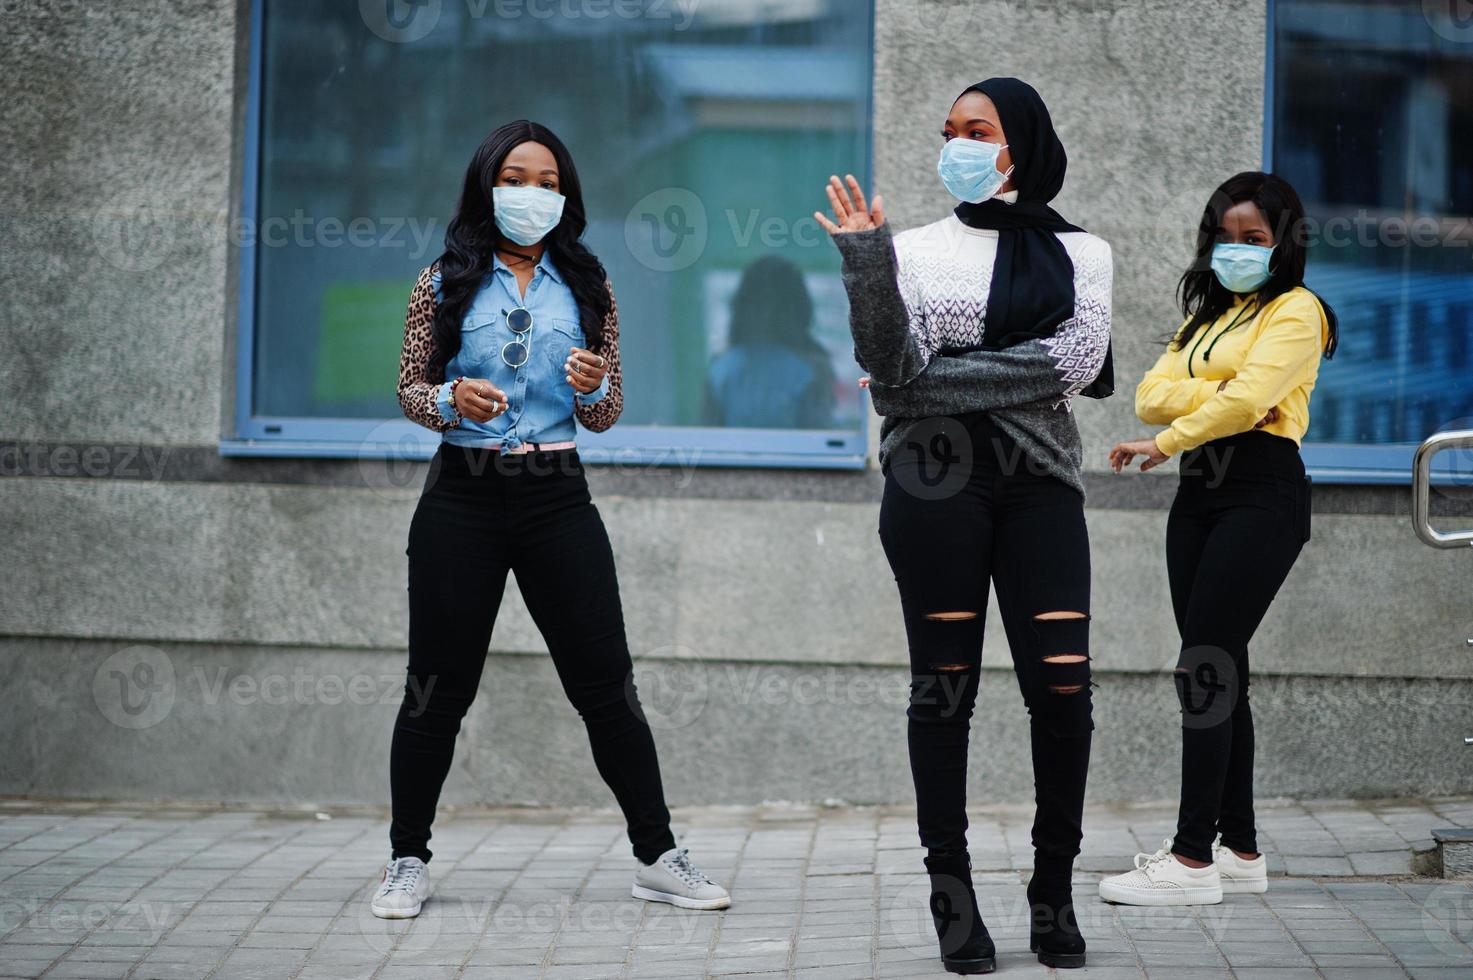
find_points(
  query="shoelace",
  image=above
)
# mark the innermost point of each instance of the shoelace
(401, 876)
(1143, 860)
(681, 867)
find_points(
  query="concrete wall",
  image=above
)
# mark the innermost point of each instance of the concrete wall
(304, 724)
(175, 624)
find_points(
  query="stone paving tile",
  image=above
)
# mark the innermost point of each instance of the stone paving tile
(177, 891)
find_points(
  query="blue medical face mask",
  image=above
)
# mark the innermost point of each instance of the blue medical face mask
(1241, 268)
(526, 214)
(968, 168)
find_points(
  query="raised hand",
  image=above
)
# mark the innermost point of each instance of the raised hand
(851, 210)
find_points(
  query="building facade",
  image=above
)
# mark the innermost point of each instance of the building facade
(213, 211)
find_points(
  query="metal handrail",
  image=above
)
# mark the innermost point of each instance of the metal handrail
(1422, 499)
(1422, 490)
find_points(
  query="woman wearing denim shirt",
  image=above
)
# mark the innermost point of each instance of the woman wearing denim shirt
(511, 335)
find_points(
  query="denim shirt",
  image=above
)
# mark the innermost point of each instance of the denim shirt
(539, 398)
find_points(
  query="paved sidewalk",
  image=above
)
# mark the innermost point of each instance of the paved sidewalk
(112, 890)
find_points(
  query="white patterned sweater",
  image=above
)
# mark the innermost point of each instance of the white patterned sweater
(915, 299)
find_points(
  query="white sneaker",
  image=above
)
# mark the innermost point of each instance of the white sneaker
(1160, 879)
(672, 878)
(1240, 877)
(403, 890)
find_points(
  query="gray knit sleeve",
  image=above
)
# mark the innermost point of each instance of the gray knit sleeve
(974, 382)
(1052, 370)
(884, 344)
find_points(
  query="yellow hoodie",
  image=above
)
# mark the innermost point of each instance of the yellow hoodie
(1271, 359)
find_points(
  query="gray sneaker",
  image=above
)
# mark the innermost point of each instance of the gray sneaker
(403, 890)
(673, 879)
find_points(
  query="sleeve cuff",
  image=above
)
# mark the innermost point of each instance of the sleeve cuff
(442, 402)
(873, 246)
(1168, 442)
(596, 395)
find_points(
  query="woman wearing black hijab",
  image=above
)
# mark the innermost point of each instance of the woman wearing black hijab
(977, 331)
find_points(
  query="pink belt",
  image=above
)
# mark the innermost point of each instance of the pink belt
(535, 447)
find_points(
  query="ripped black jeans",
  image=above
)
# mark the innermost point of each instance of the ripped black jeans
(963, 506)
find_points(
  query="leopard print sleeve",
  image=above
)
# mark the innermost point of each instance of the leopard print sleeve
(605, 412)
(417, 392)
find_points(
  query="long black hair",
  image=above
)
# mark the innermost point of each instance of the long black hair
(772, 306)
(1204, 299)
(471, 237)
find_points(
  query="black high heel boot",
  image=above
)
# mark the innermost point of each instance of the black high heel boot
(965, 945)
(1053, 930)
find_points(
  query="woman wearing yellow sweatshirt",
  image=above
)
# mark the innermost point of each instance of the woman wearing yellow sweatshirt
(1232, 389)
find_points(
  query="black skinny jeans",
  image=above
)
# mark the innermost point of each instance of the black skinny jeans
(480, 516)
(963, 506)
(1240, 518)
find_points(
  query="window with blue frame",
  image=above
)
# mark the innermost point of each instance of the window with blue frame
(1371, 119)
(703, 135)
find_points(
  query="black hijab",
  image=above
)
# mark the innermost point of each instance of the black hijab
(1032, 288)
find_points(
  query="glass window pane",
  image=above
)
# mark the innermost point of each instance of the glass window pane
(1373, 107)
(703, 135)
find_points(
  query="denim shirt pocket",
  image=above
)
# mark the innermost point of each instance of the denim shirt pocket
(559, 343)
(564, 336)
(480, 343)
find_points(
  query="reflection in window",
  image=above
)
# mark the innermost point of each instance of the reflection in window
(772, 371)
(703, 135)
(1373, 106)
